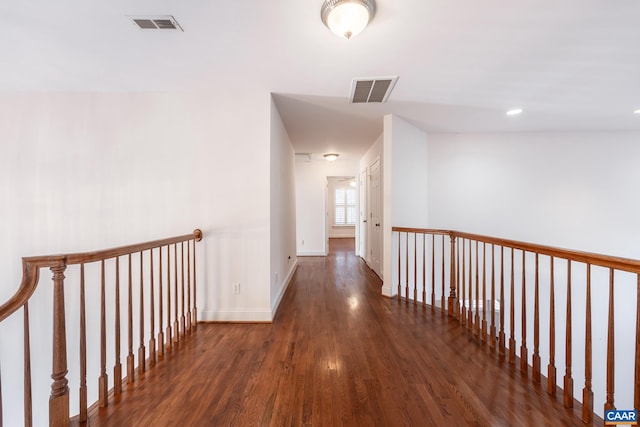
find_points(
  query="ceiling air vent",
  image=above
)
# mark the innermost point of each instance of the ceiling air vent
(303, 157)
(161, 22)
(376, 89)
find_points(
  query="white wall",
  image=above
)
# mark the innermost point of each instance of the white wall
(573, 190)
(283, 210)
(405, 186)
(88, 171)
(374, 152)
(311, 182)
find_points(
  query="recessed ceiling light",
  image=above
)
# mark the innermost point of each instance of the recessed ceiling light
(514, 112)
(636, 112)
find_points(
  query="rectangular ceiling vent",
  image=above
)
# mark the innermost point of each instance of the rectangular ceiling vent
(159, 22)
(303, 157)
(372, 89)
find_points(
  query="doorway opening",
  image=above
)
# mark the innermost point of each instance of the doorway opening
(341, 219)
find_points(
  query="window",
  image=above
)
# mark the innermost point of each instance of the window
(345, 206)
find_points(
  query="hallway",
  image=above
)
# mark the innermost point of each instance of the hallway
(337, 354)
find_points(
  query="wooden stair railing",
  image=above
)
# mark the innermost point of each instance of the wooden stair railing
(156, 268)
(458, 261)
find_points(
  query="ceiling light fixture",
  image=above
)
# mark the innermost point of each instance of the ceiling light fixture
(347, 18)
(514, 112)
(332, 157)
(637, 111)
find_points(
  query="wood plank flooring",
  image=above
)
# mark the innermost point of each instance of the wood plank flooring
(337, 354)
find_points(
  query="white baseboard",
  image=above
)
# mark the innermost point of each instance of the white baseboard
(249, 315)
(238, 315)
(312, 253)
(388, 290)
(287, 280)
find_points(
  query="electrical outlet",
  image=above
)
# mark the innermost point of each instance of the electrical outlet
(303, 242)
(236, 288)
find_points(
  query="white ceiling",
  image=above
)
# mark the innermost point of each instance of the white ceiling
(573, 65)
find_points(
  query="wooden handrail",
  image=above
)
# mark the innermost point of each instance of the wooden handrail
(31, 266)
(608, 261)
(59, 399)
(521, 273)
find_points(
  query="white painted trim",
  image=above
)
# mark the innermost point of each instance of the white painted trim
(312, 253)
(388, 290)
(236, 315)
(287, 281)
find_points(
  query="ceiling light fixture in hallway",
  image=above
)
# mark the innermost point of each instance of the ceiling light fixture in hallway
(347, 18)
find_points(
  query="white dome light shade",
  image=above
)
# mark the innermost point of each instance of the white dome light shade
(514, 112)
(347, 18)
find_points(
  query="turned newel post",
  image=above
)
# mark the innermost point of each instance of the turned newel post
(452, 301)
(59, 399)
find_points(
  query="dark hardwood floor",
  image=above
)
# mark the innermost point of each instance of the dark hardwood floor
(337, 354)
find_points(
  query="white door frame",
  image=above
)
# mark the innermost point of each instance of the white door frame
(363, 209)
(375, 226)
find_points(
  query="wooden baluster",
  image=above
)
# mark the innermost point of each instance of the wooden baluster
(568, 380)
(463, 285)
(551, 368)
(512, 319)
(453, 280)
(117, 368)
(103, 383)
(609, 404)
(476, 326)
(28, 402)
(636, 389)
(484, 292)
(501, 337)
(399, 258)
(160, 306)
(587, 393)
(188, 287)
(130, 361)
(415, 268)
(176, 331)
(442, 282)
(459, 281)
(535, 372)
(141, 349)
(169, 339)
(424, 269)
(195, 310)
(83, 349)
(152, 314)
(59, 399)
(523, 347)
(470, 310)
(182, 319)
(492, 329)
(406, 267)
(433, 270)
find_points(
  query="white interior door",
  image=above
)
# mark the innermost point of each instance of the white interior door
(362, 243)
(375, 218)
